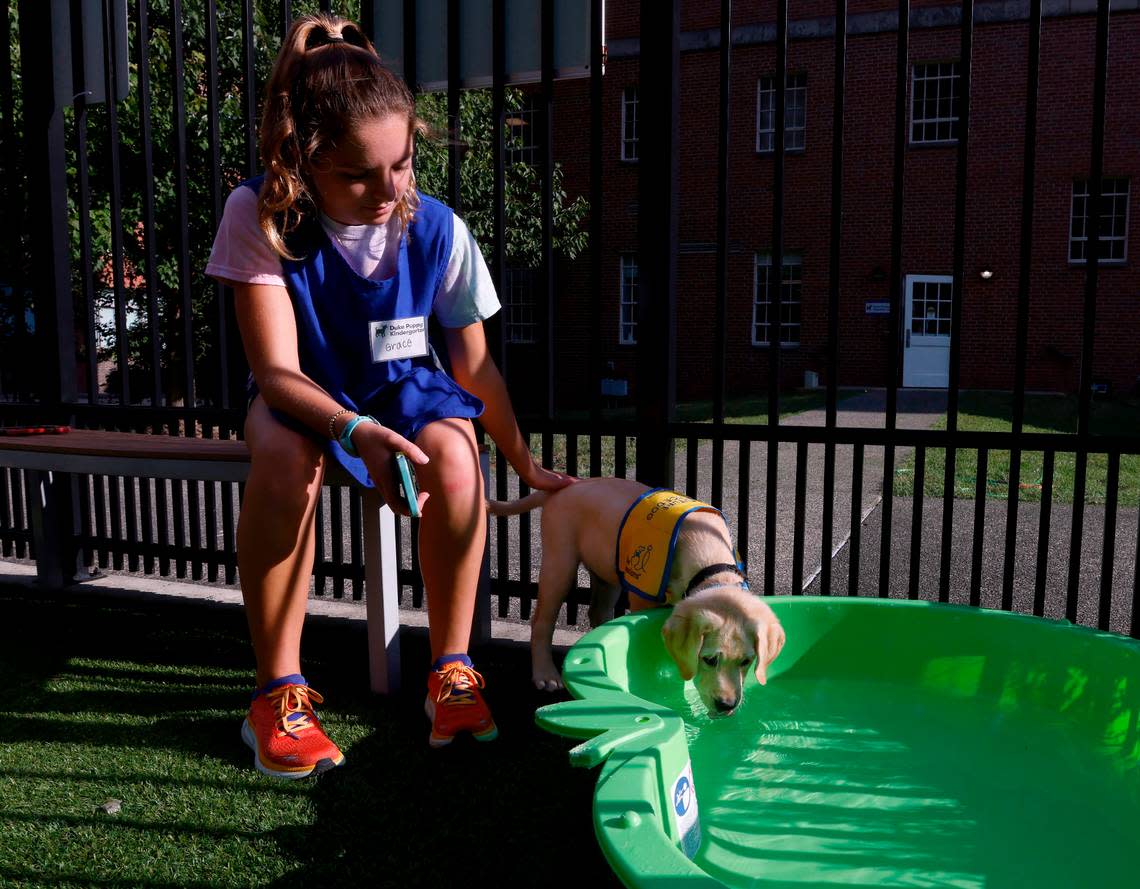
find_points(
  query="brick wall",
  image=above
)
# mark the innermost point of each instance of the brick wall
(993, 211)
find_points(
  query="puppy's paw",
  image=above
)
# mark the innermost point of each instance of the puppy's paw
(547, 679)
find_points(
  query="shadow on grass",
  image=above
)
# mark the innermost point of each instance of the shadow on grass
(143, 699)
(65, 641)
(508, 812)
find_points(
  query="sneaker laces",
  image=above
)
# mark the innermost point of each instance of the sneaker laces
(294, 712)
(456, 681)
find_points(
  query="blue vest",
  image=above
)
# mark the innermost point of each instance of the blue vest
(334, 307)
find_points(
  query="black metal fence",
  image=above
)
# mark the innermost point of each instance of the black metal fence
(108, 322)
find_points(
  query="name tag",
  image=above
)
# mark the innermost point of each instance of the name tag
(402, 338)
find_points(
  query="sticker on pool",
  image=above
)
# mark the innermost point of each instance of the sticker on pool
(685, 811)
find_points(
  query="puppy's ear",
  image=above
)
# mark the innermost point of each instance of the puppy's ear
(684, 634)
(768, 637)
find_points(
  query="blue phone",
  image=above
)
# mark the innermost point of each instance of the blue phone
(406, 482)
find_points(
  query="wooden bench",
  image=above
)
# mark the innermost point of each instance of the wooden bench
(50, 460)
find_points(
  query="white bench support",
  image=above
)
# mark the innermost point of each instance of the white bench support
(382, 589)
(481, 627)
(381, 593)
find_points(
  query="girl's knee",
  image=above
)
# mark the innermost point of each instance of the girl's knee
(454, 467)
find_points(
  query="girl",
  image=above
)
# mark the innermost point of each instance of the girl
(336, 261)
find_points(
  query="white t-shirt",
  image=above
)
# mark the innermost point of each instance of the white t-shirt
(242, 254)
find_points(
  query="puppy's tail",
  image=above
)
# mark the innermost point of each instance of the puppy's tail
(516, 507)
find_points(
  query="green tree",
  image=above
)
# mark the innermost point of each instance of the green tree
(522, 182)
(201, 180)
(178, 280)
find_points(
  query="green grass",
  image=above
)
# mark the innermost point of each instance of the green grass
(992, 412)
(740, 410)
(142, 702)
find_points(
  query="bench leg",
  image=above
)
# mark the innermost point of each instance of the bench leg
(381, 594)
(481, 625)
(53, 527)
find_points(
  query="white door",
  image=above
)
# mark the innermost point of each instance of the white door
(926, 332)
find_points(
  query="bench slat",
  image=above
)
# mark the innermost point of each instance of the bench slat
(132, 445)
(102, 452)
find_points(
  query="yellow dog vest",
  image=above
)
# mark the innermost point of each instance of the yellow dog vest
(647, 539)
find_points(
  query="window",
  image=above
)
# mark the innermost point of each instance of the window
(934, 103)
(629, 124)
(795, 113)
(930, 306)
(522, 137)
(520, 304)
(790, 297)
(630, 284)
(1113, 234)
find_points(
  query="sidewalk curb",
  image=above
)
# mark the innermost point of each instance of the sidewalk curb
(158, 589)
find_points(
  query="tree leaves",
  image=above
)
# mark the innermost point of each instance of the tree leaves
(522, 182)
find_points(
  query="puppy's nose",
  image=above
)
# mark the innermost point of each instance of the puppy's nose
(725, 706)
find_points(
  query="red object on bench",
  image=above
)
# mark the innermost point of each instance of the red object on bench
(33, 430)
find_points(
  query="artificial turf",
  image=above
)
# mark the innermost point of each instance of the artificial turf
(140, 700)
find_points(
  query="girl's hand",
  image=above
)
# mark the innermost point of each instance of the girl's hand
(539, 478)
(377, 447)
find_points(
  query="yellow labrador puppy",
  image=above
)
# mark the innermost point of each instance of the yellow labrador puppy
(663, 548)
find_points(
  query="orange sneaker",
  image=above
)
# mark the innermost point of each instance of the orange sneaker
(454, 704)
(284, 733)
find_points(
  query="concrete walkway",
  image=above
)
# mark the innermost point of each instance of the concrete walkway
(917, 409)
(1056, 573)
(131, 586)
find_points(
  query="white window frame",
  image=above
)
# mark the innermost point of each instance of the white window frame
(519, 305)
(521, 142)
(628, 290)
(934, 74)
(937, 292)
(792, 295)
(629, 109)
(795, 113)
(1110, 187)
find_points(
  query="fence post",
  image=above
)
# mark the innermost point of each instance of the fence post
(44, 74)
(46, 166)
(659, 162)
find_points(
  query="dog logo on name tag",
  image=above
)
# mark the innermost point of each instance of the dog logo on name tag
(399, 338)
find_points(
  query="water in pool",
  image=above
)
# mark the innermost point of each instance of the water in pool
(853, 783)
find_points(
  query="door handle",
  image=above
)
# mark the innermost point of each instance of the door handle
(908, 339)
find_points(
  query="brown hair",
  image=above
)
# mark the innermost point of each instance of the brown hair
(327, 78)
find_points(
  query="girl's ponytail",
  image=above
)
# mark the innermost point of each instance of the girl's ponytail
(284, 197)
(327, 77)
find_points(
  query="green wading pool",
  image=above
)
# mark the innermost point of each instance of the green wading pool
(896, 743)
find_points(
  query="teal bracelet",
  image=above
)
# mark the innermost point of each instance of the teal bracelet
(346, 434)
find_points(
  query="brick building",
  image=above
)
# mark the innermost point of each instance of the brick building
(993, 209)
